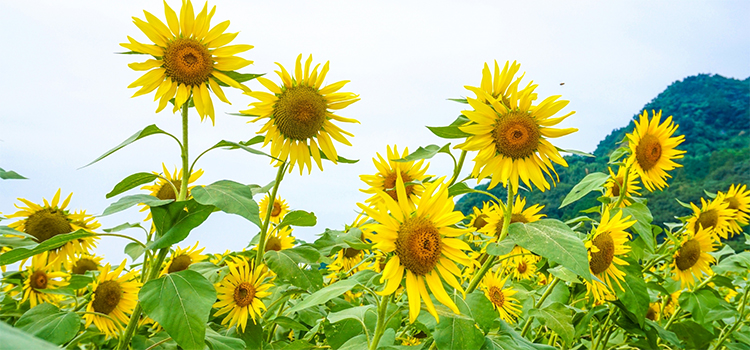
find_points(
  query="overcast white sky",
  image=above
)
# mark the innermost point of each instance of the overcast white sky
(64, 97)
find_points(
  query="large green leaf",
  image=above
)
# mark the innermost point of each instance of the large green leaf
(355, 313)
(634, 295)
(298, 218)
(131, 182)
(356, 343)
(181, 303)
(129, 201)
(640, 212)
(591, 182)
(14, 338)
(705, 305)
(52, 243)
(482, 310)
(216, 341)
(452, 131)
(147, 131)
(230, 197)
(285, 264)
(174, 222)
(47, 322)
(426, 152)
(501, 248)
(693, 334)
(324, 295)
(458, 332)
(555, 241)
(9, 174)
(238, 145)
(557, 317)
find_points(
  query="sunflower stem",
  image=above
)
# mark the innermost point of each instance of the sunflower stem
(267, 219)
(538, 304)
(185, 162)
(737, 322)
(381, 323)
(597, 342)
(457, 168)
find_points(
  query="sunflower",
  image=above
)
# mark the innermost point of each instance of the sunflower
(190, 58)
(165, 186)
(280, 208)
(691, 261)
(298, 113)
(182, 259)
(501, 298)
(652, 149)
(670, 302)
(713, 215)
(280, 239)
(114, 296)
(41, 277)
(615, 182)
(501, 86)
(424, 243)
(653, 313)
(523, 268)
(83, 262)
(385, 179)
(239, 293)
(495, 217)
(512, 140)
(52, 219)
(738, 198)
(604, 248)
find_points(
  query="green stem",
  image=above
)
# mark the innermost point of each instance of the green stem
(185, 162)
(605, 328)
(267, 219)
(159, 343)
(538, 304)
(121, 236)
(457, 168)
(273, 327)
(623, 187)
(381, 323)
(737, 322)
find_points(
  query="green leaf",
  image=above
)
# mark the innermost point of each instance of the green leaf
(705, 305)
(216, 341)
(79, 281)
(576, 152)
(591, 182)
(357, 343)
(123, 227)
(617, 154)
(634, 295)
(459, 100)
(557, 317)
(340, 159)
(285, 264)
(458, 333)
(290, 323)
(459, 188)
(47, 322)
(129, 201)
(52, 243)
(180, 302)
(134, 250)
(563, 273)
(238, 145)
(640, 212)
(452, 131)
(14, 338)
(665, 334)
(238, 77)
(482, 310)
(9, 174)
(555, 241)
(298, 218)
(424, 153)
(354, 313)
(174, 222)
(230, 197)
(131, 182)
(324, 294)
(693, 334)
(501, 248)
(26, 241)
(213, 273)
(257, 189)
(147, 131)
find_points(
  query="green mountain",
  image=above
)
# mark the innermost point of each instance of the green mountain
(713, 112)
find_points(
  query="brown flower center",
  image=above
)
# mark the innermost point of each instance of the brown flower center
(167, 192)
(707, 219)
(616, 185)
(513, 218)
(47, 223)
(180, 263)
(734, 203)
(244, 294)
(188, 62)
(516, 135)
(273, 243)
(83, 265)
(300, 112)
(652, 313)
(38, 280)
(522, 267)
(688, 255)
(497, 297)
(276, 210)
(480, 221)
(601, 260)
(106, 297)
(418, 245)
(389, 184)
(648, 151)
(351, 252)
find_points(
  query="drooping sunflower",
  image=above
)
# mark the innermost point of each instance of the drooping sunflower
(385, 179)
(165, 186)
(615, 183)
(114, 296)
(424, 244)
(190, 58)
(239, 293)
(652, 149)
(501, 85)
(691, 261)
(738, 198)
(300, 121)
(42, 276)
(495, 218)
(605, 247)
(280, 208)
(501, 297)
(512, 140)
(714, 216)
(182, 259)
(280, 239)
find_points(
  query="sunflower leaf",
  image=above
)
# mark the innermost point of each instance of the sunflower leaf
(238, 145)
(129, 201)
(131, 182)
(216, 341)
(557, 317)
(451, 131)
(285, 263)
(298, 218)
(147, 131)
(134, 250)
(555, 241)
(174, 222)
(47, 322)
(231, 197)
(424, 153)
(634, 292)
(238, 77)
(589, 183)
(458, 331)
(123, 227)
(9, 174)
(640, 212)
(617, 154)
(340, 159)
(14, 338)
(323, 295)
(459, 100)
(576, 152)
(52, 243)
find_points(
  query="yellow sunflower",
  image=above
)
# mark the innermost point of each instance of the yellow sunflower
(523, 268)
(653, 312)
(502, 298)
(83, 262)
(40, 277)
(52, 219)
(738, 198)
(114, 296)
(165, 186)
(512, 140)
(299, 112)
(495, 217)
(385, 179)
(691, 261)
(239, 293)
(424, 242)
(501, 85)
(280, 208)
(182, 259)
(652, 149)
(280, 239)
(190, 58)
(670, 302)
(604, 248)
(615, 182)
(714, 216)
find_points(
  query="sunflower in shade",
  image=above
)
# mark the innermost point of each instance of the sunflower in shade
(652, 149)
(280, 208)
(182, 259)
(114, 296)
(385, 179)
(614, 184)
(502, 298)
(241, 291)
(605, 247)
(714, 216)
(41, 277)
(692, 260)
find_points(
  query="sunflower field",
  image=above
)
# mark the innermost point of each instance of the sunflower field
(408, 272)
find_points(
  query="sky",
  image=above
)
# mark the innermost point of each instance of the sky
(65, 99)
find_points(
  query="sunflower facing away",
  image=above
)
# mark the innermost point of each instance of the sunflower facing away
(114, 296)
(182, 259)
(280, 208)
(652, 149)
(604, 249)
(512, 140)
(615, 182)
(41, 276)
(239, 293)
(424, 243)
(190, 58)
(300, 121)
(385, 179)
(501, 298)
(713, 215)
(691, 261)
(738, 198)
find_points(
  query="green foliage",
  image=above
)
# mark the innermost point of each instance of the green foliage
(555, 241)
(47, 322)
(230, 197)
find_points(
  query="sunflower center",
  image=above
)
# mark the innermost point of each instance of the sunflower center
(601, 260)
(167, 192)
(389, 183)
(244, 294)
(707, 219)
(648, 151)
(516, 135)
(188, 62)
(276, 210)
(418, 245)
(652, 313)
(481, 221)
(688, 255)
(300, 112)
(106, 297)
(616, 186)
(180, 263)
(351, 252)
(273, 243)
(497, 297)
(513, 218)
(733, 203)
(83, 265)
(47, 223)
(38, 280)
(522, 267)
